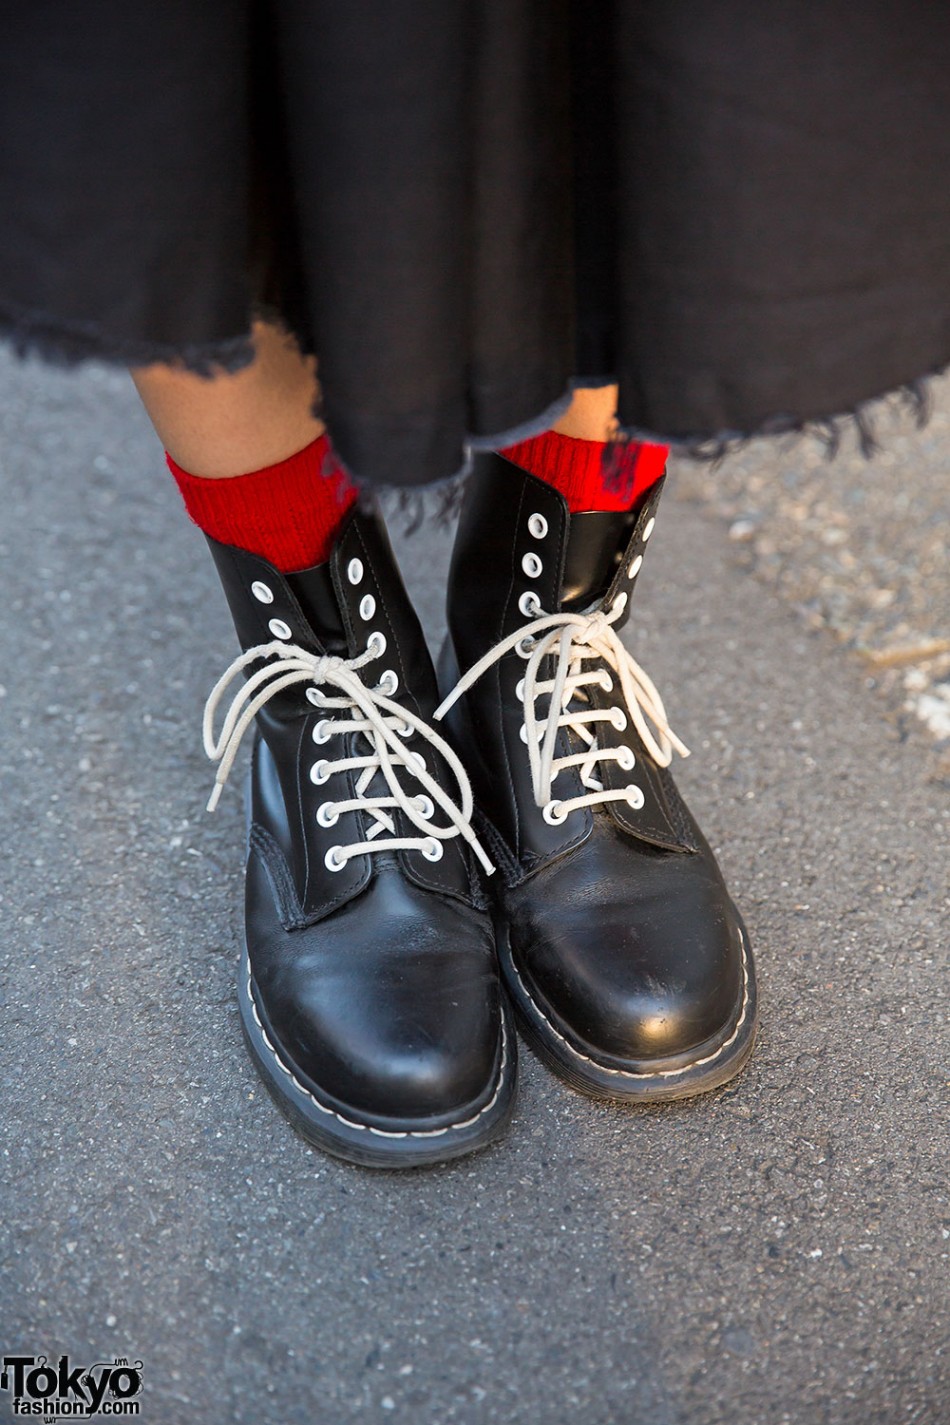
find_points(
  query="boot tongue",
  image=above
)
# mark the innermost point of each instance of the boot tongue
(595, 546)
(314, 592)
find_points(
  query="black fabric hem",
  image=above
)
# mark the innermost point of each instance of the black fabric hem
(68, 344)
(524, 430)
(414, 506)
(439, 501)
(913, 397)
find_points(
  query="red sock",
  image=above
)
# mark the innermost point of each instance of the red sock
(288, 513)
(591, 474)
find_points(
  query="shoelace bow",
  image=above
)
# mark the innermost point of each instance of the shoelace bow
(384, 724)
(573, 638)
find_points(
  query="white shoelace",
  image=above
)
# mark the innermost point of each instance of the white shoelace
(573, 639)
(383, 723)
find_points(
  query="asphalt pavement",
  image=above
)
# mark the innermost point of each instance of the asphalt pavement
(774, 1253)
(859, 548)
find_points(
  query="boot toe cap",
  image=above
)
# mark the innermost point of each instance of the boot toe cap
(645, 976)
(402, 1068)
(396, 1021)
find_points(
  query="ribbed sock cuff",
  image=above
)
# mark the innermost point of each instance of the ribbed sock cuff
(288, 513)
(591, 474)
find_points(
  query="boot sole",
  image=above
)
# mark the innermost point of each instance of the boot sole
(656, 1081)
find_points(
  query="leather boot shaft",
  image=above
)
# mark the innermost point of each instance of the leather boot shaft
(354, 601)
(520, 554)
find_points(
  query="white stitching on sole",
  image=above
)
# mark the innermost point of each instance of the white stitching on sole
(366, 1127)
(650, 1073)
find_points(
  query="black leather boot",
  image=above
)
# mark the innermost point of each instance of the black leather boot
(624, 954)
(369, 990)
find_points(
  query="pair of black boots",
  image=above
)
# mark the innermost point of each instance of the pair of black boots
(414, 870)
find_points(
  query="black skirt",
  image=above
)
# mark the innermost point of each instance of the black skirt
(741, 211)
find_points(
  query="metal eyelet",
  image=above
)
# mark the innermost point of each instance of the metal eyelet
(262, 592)
(320, 772)
(625, 759)
(334, 860)
(433, 850)
(314, 695)
(367, 607)
(377, 640)
(389, 683)
(418, 760)
(530, 604)
(354, 571)
(424, 806)
(525, 647)
(619, 719)
(327, 814)
(321, 731)
(634, 569)
(523, 732)
(554, 814)
(280, 629)
(532, 566)
(648, 530)
(606, 682)
(635, 797)
(519, 690)
(537, 525)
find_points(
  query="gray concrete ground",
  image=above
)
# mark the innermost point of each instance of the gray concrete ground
(859, 548)
(775, 1252)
